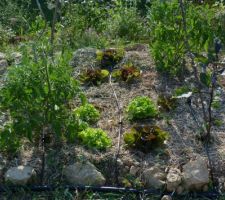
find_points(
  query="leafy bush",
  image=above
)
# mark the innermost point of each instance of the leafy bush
(95, 138)
(169, 46)
(37, 95)
(126, 23)
(145, 138)
(87, 113)
(9, 141)
(84, 22)
(141, 107)
(101, 23)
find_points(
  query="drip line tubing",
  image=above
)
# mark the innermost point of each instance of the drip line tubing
(50, 188)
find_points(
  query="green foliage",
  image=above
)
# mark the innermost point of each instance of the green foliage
(145, 138)
(166, 103)
(169, 38)
(141, 107)
(13, 16)
(205, 78)
(127, 73)
(86, 22)
(218, 122)
(9, 141)
(126, 23)
(216, 104)
(110, 57)
(99, 24)
(181, 90)
(95, 138)
(94, 76)
(167, 46)
(87, 113)
(5, 35)
(132, 181)
(37, 94)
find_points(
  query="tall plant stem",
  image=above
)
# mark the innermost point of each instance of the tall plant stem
(188, 51)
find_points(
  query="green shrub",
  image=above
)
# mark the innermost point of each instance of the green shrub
(145, 138)
(168, 44)
(141, 107)
(126, 23)
(88, 113)
(37, 95)
(9, 141)
(95, 138)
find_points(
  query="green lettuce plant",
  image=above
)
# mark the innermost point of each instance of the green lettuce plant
(141, 107)
(95, 138)
(88, 113)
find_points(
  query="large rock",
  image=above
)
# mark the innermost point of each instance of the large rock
(85, 57)
(83, 174)
(154, 177)
(196, 174)
(20, 175)
(173, 179)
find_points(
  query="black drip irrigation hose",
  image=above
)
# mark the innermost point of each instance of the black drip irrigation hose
(104, 189)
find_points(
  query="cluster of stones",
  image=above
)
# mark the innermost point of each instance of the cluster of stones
(194, 176)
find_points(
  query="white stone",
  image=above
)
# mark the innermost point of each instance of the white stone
(83, 174)
(173, 179)
(20, 175)
(196, 174)
(154, 177)
(166, 197)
